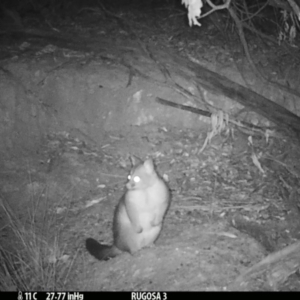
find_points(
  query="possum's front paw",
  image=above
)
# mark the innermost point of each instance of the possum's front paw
(155, 222)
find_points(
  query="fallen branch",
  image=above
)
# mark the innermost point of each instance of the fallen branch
(278, 267)
(198, 111)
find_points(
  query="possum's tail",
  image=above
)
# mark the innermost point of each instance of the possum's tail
(101, 252)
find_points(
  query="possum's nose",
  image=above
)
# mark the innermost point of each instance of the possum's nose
(130, 185)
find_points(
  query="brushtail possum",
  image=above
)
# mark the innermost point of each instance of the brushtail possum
(139, 215)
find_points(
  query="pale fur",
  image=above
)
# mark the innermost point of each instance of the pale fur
(138, 216)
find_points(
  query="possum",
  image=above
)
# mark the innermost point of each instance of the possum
(139, 215)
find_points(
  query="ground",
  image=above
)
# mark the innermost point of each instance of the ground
(75, 109)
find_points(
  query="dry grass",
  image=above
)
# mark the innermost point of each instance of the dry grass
(31, 255)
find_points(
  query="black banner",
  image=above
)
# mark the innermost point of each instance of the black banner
(104, 295)
(89, 295)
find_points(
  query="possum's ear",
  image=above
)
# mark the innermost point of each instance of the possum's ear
(135, 161)
(149, 166)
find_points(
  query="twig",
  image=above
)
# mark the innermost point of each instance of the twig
(184, 107)
(215, 7)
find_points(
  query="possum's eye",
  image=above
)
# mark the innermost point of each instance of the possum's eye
(129, 177)
(136, 179)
